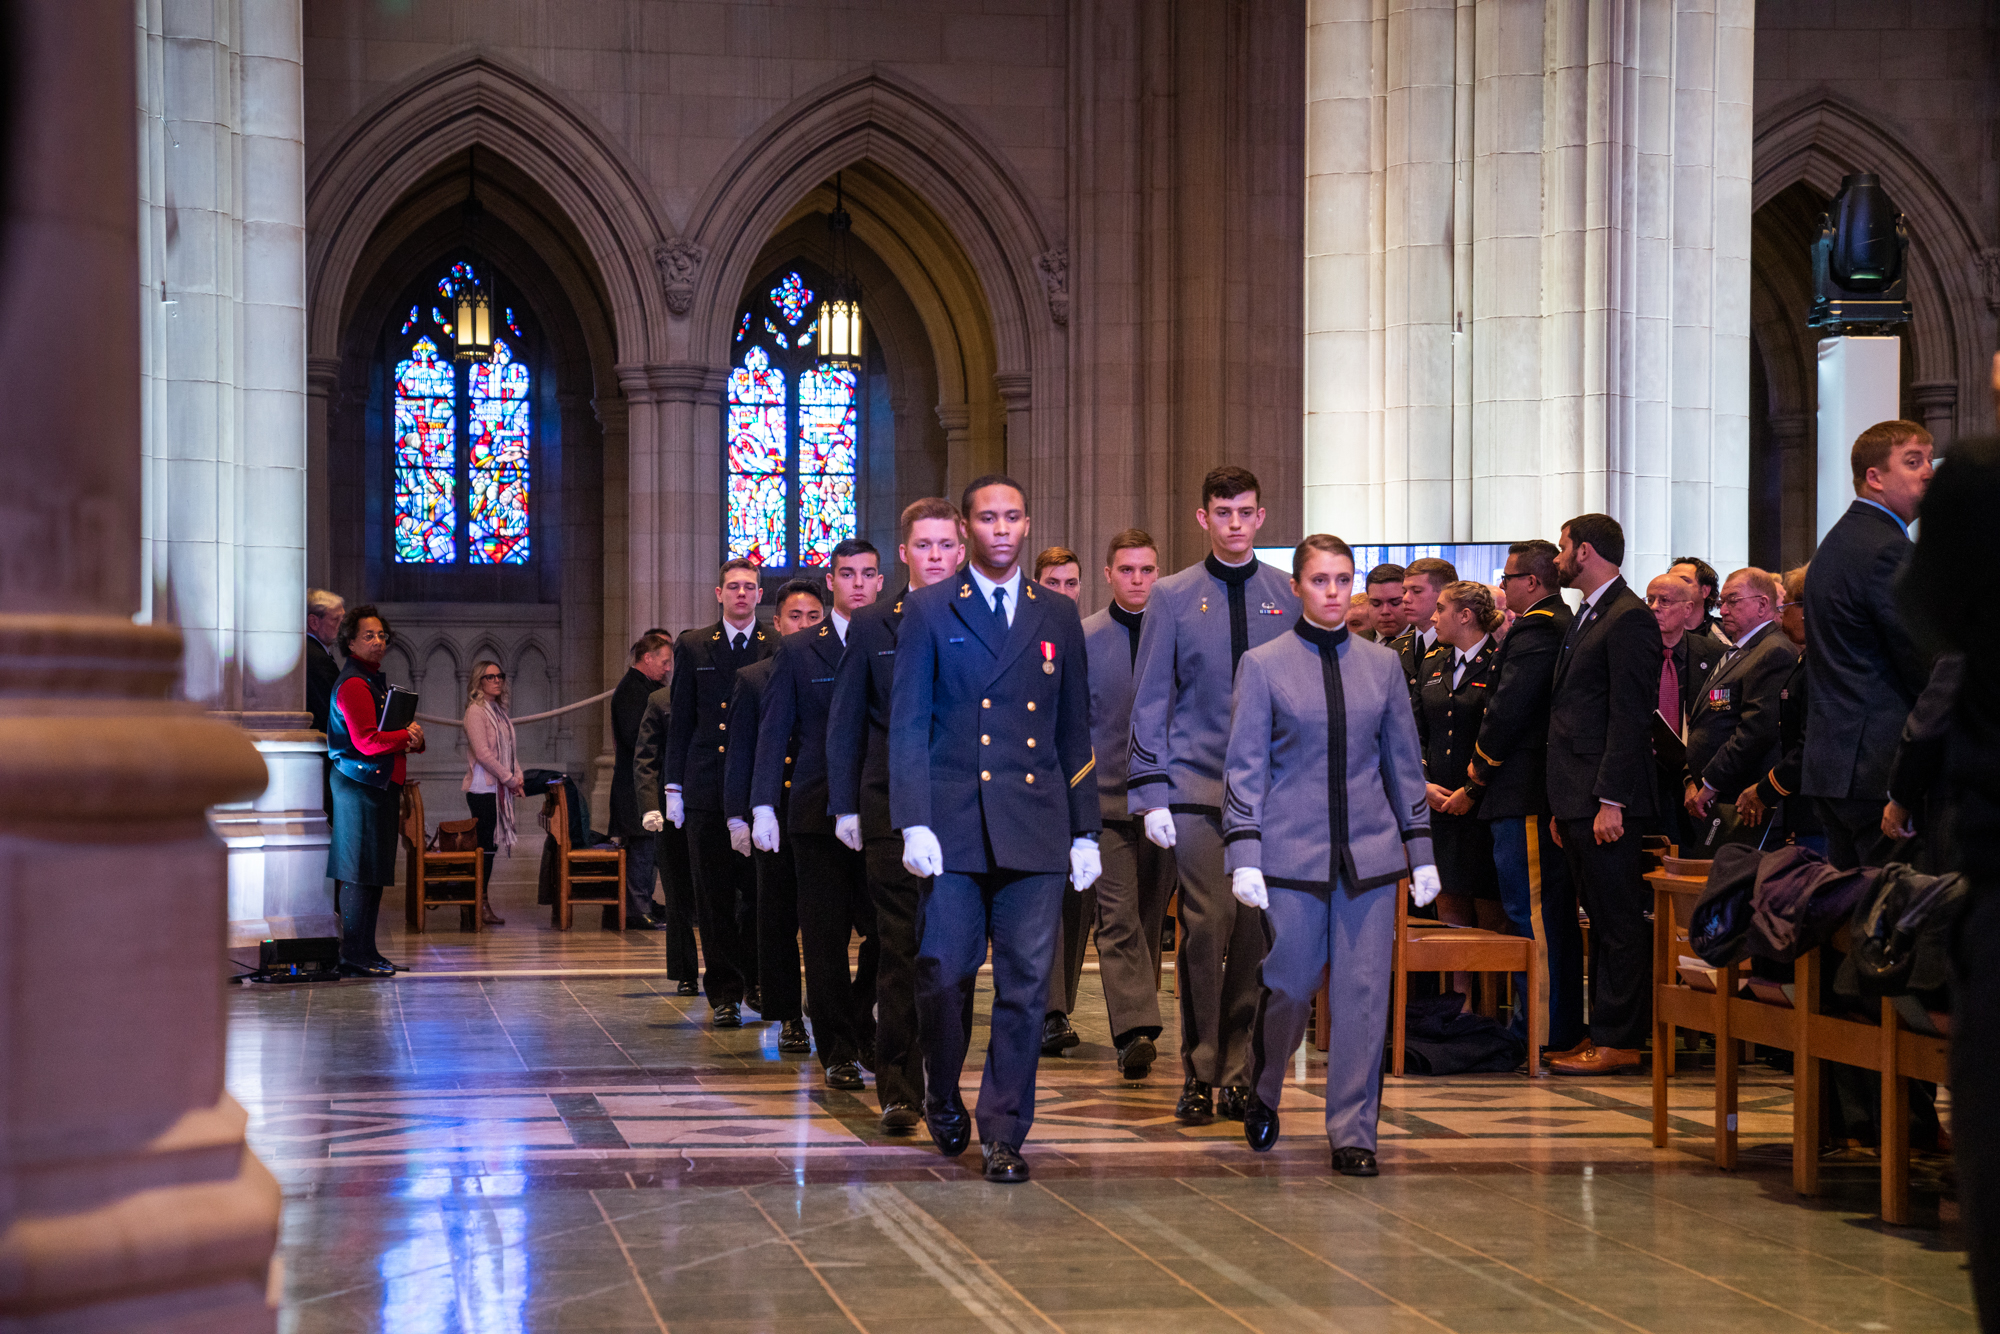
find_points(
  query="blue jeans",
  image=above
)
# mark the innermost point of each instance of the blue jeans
(1563, 937)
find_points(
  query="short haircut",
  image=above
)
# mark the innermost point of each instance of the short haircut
(650, 642)
(791, 588)
(738, 563)
(659, 630)
(1705, 577)
(319, 602)
(1325, 542)
(1439, 572)
(1873, 446)
(350, 625)
(1795, 584)
(852, 547)
(1051, 557)
(930, 507)
(978, 484)
(1132, 539)
(1604, 533)
(1467, 593)
(1229, 482)
(1760, 581)
(1384, 574)
(1540, 558)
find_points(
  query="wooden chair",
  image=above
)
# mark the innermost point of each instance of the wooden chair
(437, 879)
(1434, 947)
(602, 870)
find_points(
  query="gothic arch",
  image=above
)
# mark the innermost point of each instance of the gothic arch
(388, 149)
(1818, 139)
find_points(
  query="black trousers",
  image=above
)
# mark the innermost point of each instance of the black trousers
(1975, 1092)
(778, 936)
(1853, 830)
(485, 808)
(1621, 939)
(725, 893)
(671, 855)
(897, 899)
(642, 865)
(834, 905)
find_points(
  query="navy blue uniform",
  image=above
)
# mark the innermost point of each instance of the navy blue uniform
(771, 934)
(989, 747)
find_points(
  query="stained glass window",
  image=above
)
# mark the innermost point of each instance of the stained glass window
(460, 506)
(792, 441)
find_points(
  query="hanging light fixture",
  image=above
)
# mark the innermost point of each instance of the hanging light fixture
(840, 308)
(472, 311)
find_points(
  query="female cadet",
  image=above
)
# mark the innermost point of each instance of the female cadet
(1323, 857)
(1451, 703)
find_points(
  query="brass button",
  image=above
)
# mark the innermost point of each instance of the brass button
(985, 740)
(985, 776)
(722, 727)
(788, 759)
(788, 782)
(985, 703)
(720, 749)
(725, 704)
(1031, 706)
(1031, 778)
(1031, 743)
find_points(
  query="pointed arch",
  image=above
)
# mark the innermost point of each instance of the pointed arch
(392, 145)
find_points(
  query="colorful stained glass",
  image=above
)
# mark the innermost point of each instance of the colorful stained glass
(426, 464)
(812, 332)
(498, 426)
(411, 322)
(461, 272)
(826, 517)
(744, 327)
(442, 322)
(791, 296)
(772, 330)
(826, 419)
(757, 518)
(512, 327)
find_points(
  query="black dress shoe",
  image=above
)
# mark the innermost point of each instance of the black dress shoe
(1197, 1104)
(1004, 1163)
(793, 1036)
(844, 1075)
(899, 1118)
(1136, 1058)
(1229, 1103)
(728, 1016)
(644, 924)
(373, 968)
(687, 989)
(1057, 1035)
(951, 1130)
(1355, 1163)
(381, 962)
(1260, 1124)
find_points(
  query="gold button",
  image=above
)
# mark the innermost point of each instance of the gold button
(1031, 743)
(722, 727)
(985, 703)
(720, 749)
(725, 704)
(985, 776)
(788, 759)
(788, 782)
(985, 740)
(1031, 706)
(1031, 778)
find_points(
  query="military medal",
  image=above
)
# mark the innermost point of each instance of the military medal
(1048, 658)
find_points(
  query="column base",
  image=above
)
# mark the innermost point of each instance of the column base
(278, 841)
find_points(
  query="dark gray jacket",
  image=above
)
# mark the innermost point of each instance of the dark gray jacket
(1108, 644)
(1732, 732)
(1277, 814)
(1180, 698)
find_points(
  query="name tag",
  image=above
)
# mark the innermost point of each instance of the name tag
(956, 639)
(704, 669)
(885, 653)
(822, 680)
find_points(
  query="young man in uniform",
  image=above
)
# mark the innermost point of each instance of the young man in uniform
(857, 754)
(1199, 624)
(725, 887)
(1423, 580)
(989, 757)
(1383, 592)
(836, 904)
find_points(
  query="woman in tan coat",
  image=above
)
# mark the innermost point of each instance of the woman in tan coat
(493, 775)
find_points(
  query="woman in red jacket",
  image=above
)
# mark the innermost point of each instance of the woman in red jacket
(367, 789)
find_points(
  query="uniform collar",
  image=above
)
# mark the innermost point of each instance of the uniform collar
(1129, 619)
(1318, 638)
(986, 586)
(1230, 574)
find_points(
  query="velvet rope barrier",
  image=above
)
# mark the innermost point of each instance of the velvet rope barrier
(528, 718)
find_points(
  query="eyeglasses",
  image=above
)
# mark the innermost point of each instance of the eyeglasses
(1656, 600)
(1738, 598)
(1518, 574)
(493, 676)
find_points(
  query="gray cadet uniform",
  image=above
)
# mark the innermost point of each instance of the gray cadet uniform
(1199, 622)
(1131, 896)
(1331, 859)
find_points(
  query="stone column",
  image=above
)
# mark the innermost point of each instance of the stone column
(959, 464)
(127, 1197)
(1792, 438)
(1937, 408)
(1046, 486)
(322, 385)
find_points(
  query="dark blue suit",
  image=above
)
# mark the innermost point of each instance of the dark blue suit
(989, 748)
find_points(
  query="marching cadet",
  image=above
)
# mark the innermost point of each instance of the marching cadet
(706, 661)
(989, 757)
(1200, 622)
(1323, 860)
(1451, 702)
(857, 776)
(777, 938)
(837, 905)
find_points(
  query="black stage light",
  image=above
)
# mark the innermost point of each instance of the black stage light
(1860, 261)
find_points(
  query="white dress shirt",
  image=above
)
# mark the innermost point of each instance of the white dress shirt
(986, 586)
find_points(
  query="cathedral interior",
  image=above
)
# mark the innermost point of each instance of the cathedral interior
(1441, 273)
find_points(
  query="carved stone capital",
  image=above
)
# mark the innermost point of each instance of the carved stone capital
(1054, 265)
(680, 268)
(671, 382)
(1989, 277)
(1017, 390)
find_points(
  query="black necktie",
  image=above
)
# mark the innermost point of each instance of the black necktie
(736, 644)
(1000, 609)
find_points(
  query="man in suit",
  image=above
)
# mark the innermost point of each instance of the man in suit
(324, 611)
(1732, 732)
(1772, 796)
(1423, 580)
(836, 905)
(725, 886)
(669, 843)
(1686, 658)
(1866, 672)
(989, 750)
(652, 660)
(1602, 782)
(857, 754)
(1200, 622)
(1509, 776)
(779, 908)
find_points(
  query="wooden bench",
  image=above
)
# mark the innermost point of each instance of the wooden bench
(434, 879)
(1890, 1048)
(600, 870)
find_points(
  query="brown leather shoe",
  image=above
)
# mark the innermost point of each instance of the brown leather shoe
(1598, 1061)
(1578, 1050)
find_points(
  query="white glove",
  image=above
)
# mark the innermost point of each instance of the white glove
(764, 828)
(1424, 885)
(652, 822)
(1160, 827)
(739, 838)
(676, 809)
(1085, 864)
(921, 854)
(1247, 884)
(847, 828)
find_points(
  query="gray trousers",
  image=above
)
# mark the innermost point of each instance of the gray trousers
(1131, 903)
(1351, 938)
(1216, 969)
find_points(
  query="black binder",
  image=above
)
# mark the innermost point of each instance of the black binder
(1667, 744)
(399, 710)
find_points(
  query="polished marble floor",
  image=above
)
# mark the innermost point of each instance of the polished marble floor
(531, 1132)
